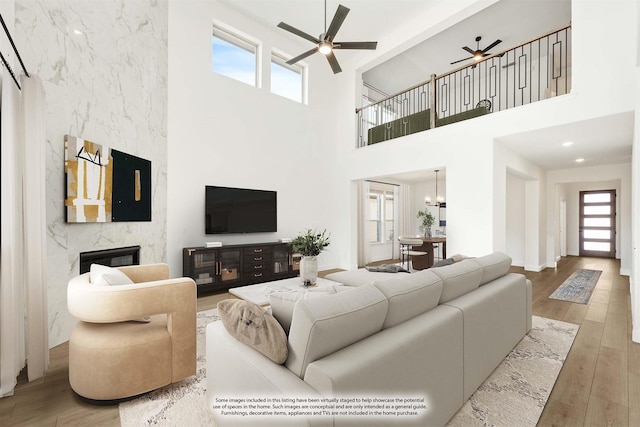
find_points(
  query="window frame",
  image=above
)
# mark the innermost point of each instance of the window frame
(280, 58)
(241, 41)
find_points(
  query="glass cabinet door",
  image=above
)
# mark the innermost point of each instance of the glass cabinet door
(229, 265)
(281, 259)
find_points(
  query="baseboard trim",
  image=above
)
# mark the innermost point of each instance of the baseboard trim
(625, 272)
(535, 268)
(635, 335)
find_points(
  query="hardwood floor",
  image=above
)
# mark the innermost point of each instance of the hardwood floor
(599, 383)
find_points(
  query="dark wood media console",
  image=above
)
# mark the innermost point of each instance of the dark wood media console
(229, 266)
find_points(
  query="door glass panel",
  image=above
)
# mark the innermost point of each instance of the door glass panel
(597, 234)
(597, 222)
(597, 246)
(597, 197)
(597, 210)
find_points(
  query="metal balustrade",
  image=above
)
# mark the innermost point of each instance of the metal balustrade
(533, 71)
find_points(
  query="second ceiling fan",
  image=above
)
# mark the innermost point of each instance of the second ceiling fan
(478, 54)
(325, 43)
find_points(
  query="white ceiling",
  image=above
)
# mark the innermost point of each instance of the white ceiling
(512, 21)
(544, 147)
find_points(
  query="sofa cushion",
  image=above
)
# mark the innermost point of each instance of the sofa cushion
(410, 295)
(494, 265)
(283, 303)
(321, 326)
(359, 277)
(250, 324)
(458, 278)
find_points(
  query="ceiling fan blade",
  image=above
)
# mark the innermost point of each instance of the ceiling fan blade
(336, 22)
(492, 45)
(355, 45)
(468, 49)
(334, 63)
(299, 33)
(460, 60)
(302, 56)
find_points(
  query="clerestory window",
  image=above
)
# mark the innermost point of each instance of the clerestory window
(287, 80)
(234, 55)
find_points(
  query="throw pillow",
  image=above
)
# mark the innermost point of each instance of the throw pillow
(443, 262)
(458, 257)
(250, 324)
(102, 275)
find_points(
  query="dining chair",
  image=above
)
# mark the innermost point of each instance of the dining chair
(406, 249)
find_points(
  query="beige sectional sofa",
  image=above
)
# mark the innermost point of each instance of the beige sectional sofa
(436, 334)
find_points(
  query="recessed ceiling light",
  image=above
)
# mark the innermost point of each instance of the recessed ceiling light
(567, 144)
(580, 160)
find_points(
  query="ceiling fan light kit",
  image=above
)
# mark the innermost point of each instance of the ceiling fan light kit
(324, 43)
(478, 54)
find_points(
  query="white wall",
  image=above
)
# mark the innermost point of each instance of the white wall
(104, 70)
(224, 132)
(515, 219)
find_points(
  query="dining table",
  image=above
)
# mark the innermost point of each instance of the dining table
(426, 261)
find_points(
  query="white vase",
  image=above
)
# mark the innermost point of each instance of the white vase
(309, 269)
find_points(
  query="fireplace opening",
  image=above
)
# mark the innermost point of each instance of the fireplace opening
(116, 257)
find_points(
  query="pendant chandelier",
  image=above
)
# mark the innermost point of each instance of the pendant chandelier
(438, 200)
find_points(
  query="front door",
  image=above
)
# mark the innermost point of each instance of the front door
(598, 223)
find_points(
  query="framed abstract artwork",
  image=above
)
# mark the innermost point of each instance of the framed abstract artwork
(105, 185)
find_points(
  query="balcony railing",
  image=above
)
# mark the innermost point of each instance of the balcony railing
(530, 72)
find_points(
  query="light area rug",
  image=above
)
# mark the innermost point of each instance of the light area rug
(179, 404)
(578, 287)
(514, 394)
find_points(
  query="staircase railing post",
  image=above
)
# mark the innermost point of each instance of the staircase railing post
(432, 103)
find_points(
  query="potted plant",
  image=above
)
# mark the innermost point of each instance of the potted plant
(310, 244)
(427, 219)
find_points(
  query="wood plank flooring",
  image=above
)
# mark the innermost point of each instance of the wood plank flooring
(599, 384)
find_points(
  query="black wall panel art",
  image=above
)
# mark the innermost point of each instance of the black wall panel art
(105, 185)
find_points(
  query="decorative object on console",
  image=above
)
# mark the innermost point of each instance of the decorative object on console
(427, 220)
(310, 244)
(105, 185)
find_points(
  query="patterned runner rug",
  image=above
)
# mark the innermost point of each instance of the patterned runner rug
(578, 287)
(514, 394)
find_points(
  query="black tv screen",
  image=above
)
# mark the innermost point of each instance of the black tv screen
(240, 210)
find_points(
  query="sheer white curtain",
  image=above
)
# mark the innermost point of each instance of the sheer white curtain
(23, 302)
(364, 255)
(404, 212)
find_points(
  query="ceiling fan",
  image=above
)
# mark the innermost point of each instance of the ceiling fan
(478, 54)
(324, 43)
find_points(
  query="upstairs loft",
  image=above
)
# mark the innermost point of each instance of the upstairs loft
(533, 71)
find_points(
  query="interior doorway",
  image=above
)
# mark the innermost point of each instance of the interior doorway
(597, 232)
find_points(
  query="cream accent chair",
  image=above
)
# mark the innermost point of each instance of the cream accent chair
(112, 357)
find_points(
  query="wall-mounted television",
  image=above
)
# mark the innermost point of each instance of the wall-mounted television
(240, 210)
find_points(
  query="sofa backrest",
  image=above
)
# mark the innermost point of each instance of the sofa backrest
(459, 278)
(321, 326)
(494, 265)
(409, 295)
